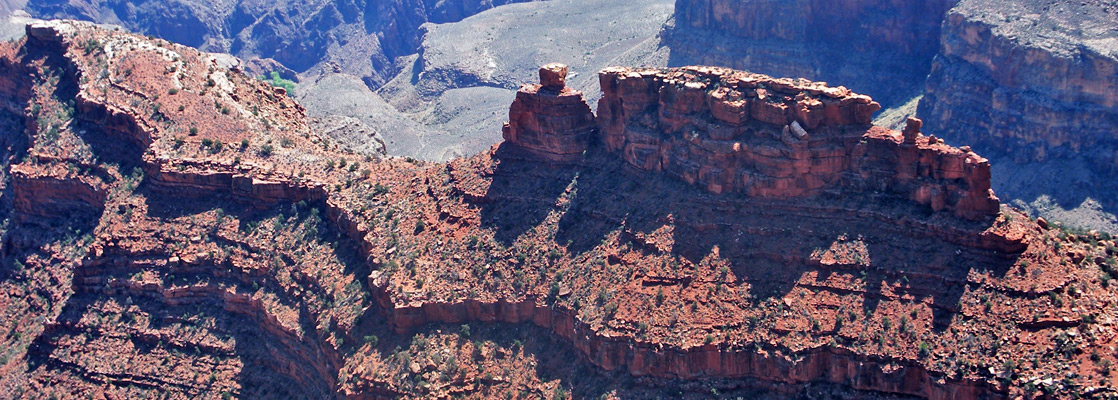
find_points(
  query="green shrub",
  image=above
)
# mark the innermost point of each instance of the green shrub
(275, 79)
(924, 349)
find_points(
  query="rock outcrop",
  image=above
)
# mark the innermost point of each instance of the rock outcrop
(1031, 80)
(730, 131)
(253, 250)
(1027, 81)
(52, 194)
(550, 119)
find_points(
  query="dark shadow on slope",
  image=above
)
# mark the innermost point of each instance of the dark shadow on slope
(13, 147)
(108, 146)
(1068, 190)
(264, 356)
(167, 203)
(768, 242)
(521, 194)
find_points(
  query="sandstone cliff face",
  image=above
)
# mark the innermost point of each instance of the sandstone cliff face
(1031, 80)
(276, 269)
(834, 41)
(550, 119)
(38, 194)
(735, 132)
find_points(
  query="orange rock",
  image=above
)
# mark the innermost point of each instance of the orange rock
(553, 76)
(552, 122)
(707, 138)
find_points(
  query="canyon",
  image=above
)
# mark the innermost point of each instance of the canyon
(1026, 83)
(364, 38)
(1031, 85)
(177, 229)
(833, 41)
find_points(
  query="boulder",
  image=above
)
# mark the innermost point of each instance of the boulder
(553, 76)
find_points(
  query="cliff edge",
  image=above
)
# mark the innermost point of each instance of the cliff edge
(175, 228)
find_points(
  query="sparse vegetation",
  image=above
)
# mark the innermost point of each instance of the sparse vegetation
(277, 81)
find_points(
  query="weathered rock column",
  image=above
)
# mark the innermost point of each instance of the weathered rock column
(549, 119)
(912, 130)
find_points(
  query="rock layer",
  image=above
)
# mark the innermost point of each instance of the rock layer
(262, 261)
(550, 119)
(730, 131)
(1031, 80)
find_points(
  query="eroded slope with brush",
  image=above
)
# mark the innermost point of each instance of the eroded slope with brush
(175, 230)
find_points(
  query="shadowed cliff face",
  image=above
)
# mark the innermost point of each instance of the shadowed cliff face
(1033, 83)
(363, 36)
(1029, 83)
(833, 41)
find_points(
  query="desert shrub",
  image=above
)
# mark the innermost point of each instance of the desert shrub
(924, 349)
(275, 79)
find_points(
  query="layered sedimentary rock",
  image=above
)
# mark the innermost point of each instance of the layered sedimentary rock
(37, 193)
(550, 119)
(835, 41)
(731, 131)
(1031, 80)
(252, 258)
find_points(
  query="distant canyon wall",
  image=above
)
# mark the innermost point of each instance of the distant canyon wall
(363, 37)
(1028, 80)
(882, 48)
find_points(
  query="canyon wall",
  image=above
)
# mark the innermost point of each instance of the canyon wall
(1034, 81)
(363, 37)
(730, 131)
(1030, 82)
(646, 358)
(428, 234)
(834, 41)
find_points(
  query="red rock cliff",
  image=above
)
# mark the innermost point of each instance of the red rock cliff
(731, 131)
(1033, 80)
(550, 119)
(687, 285)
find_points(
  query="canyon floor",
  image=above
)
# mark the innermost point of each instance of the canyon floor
(447, 98)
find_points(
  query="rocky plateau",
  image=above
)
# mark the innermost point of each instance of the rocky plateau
(175, 228)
